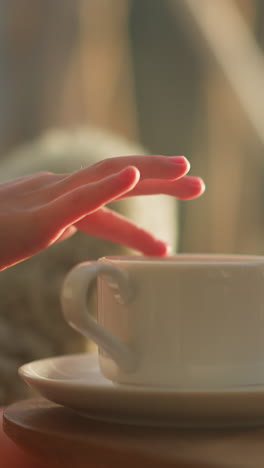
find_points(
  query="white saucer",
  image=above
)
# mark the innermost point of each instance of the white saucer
(75, 381)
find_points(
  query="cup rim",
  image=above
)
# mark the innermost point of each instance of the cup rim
(188, 258)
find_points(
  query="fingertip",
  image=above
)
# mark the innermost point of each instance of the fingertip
(168, 249)
(181, 163)
(159, 248)
(185, 162)
(193, 186)
(132, 170)
(202, 186)
(198, 186)
(131, 174)
(165, 249)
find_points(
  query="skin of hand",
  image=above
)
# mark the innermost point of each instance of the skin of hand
(43, 208)
(40, 209)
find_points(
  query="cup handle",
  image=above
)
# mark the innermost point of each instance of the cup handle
(75, 307)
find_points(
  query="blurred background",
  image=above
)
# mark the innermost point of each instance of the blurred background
(178, 76)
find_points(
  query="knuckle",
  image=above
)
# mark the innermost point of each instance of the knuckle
(105, 165)
(42, 174)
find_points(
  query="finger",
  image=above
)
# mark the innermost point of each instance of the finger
(186, 188)
(72, 206)
(31, 181)
(159, 167)
(150, 166)
(113, 227)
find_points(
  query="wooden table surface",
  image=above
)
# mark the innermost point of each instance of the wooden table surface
(60, 436)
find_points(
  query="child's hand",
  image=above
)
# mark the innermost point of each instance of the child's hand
(40, 209)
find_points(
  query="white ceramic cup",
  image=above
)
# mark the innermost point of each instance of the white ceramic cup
(186, 321)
